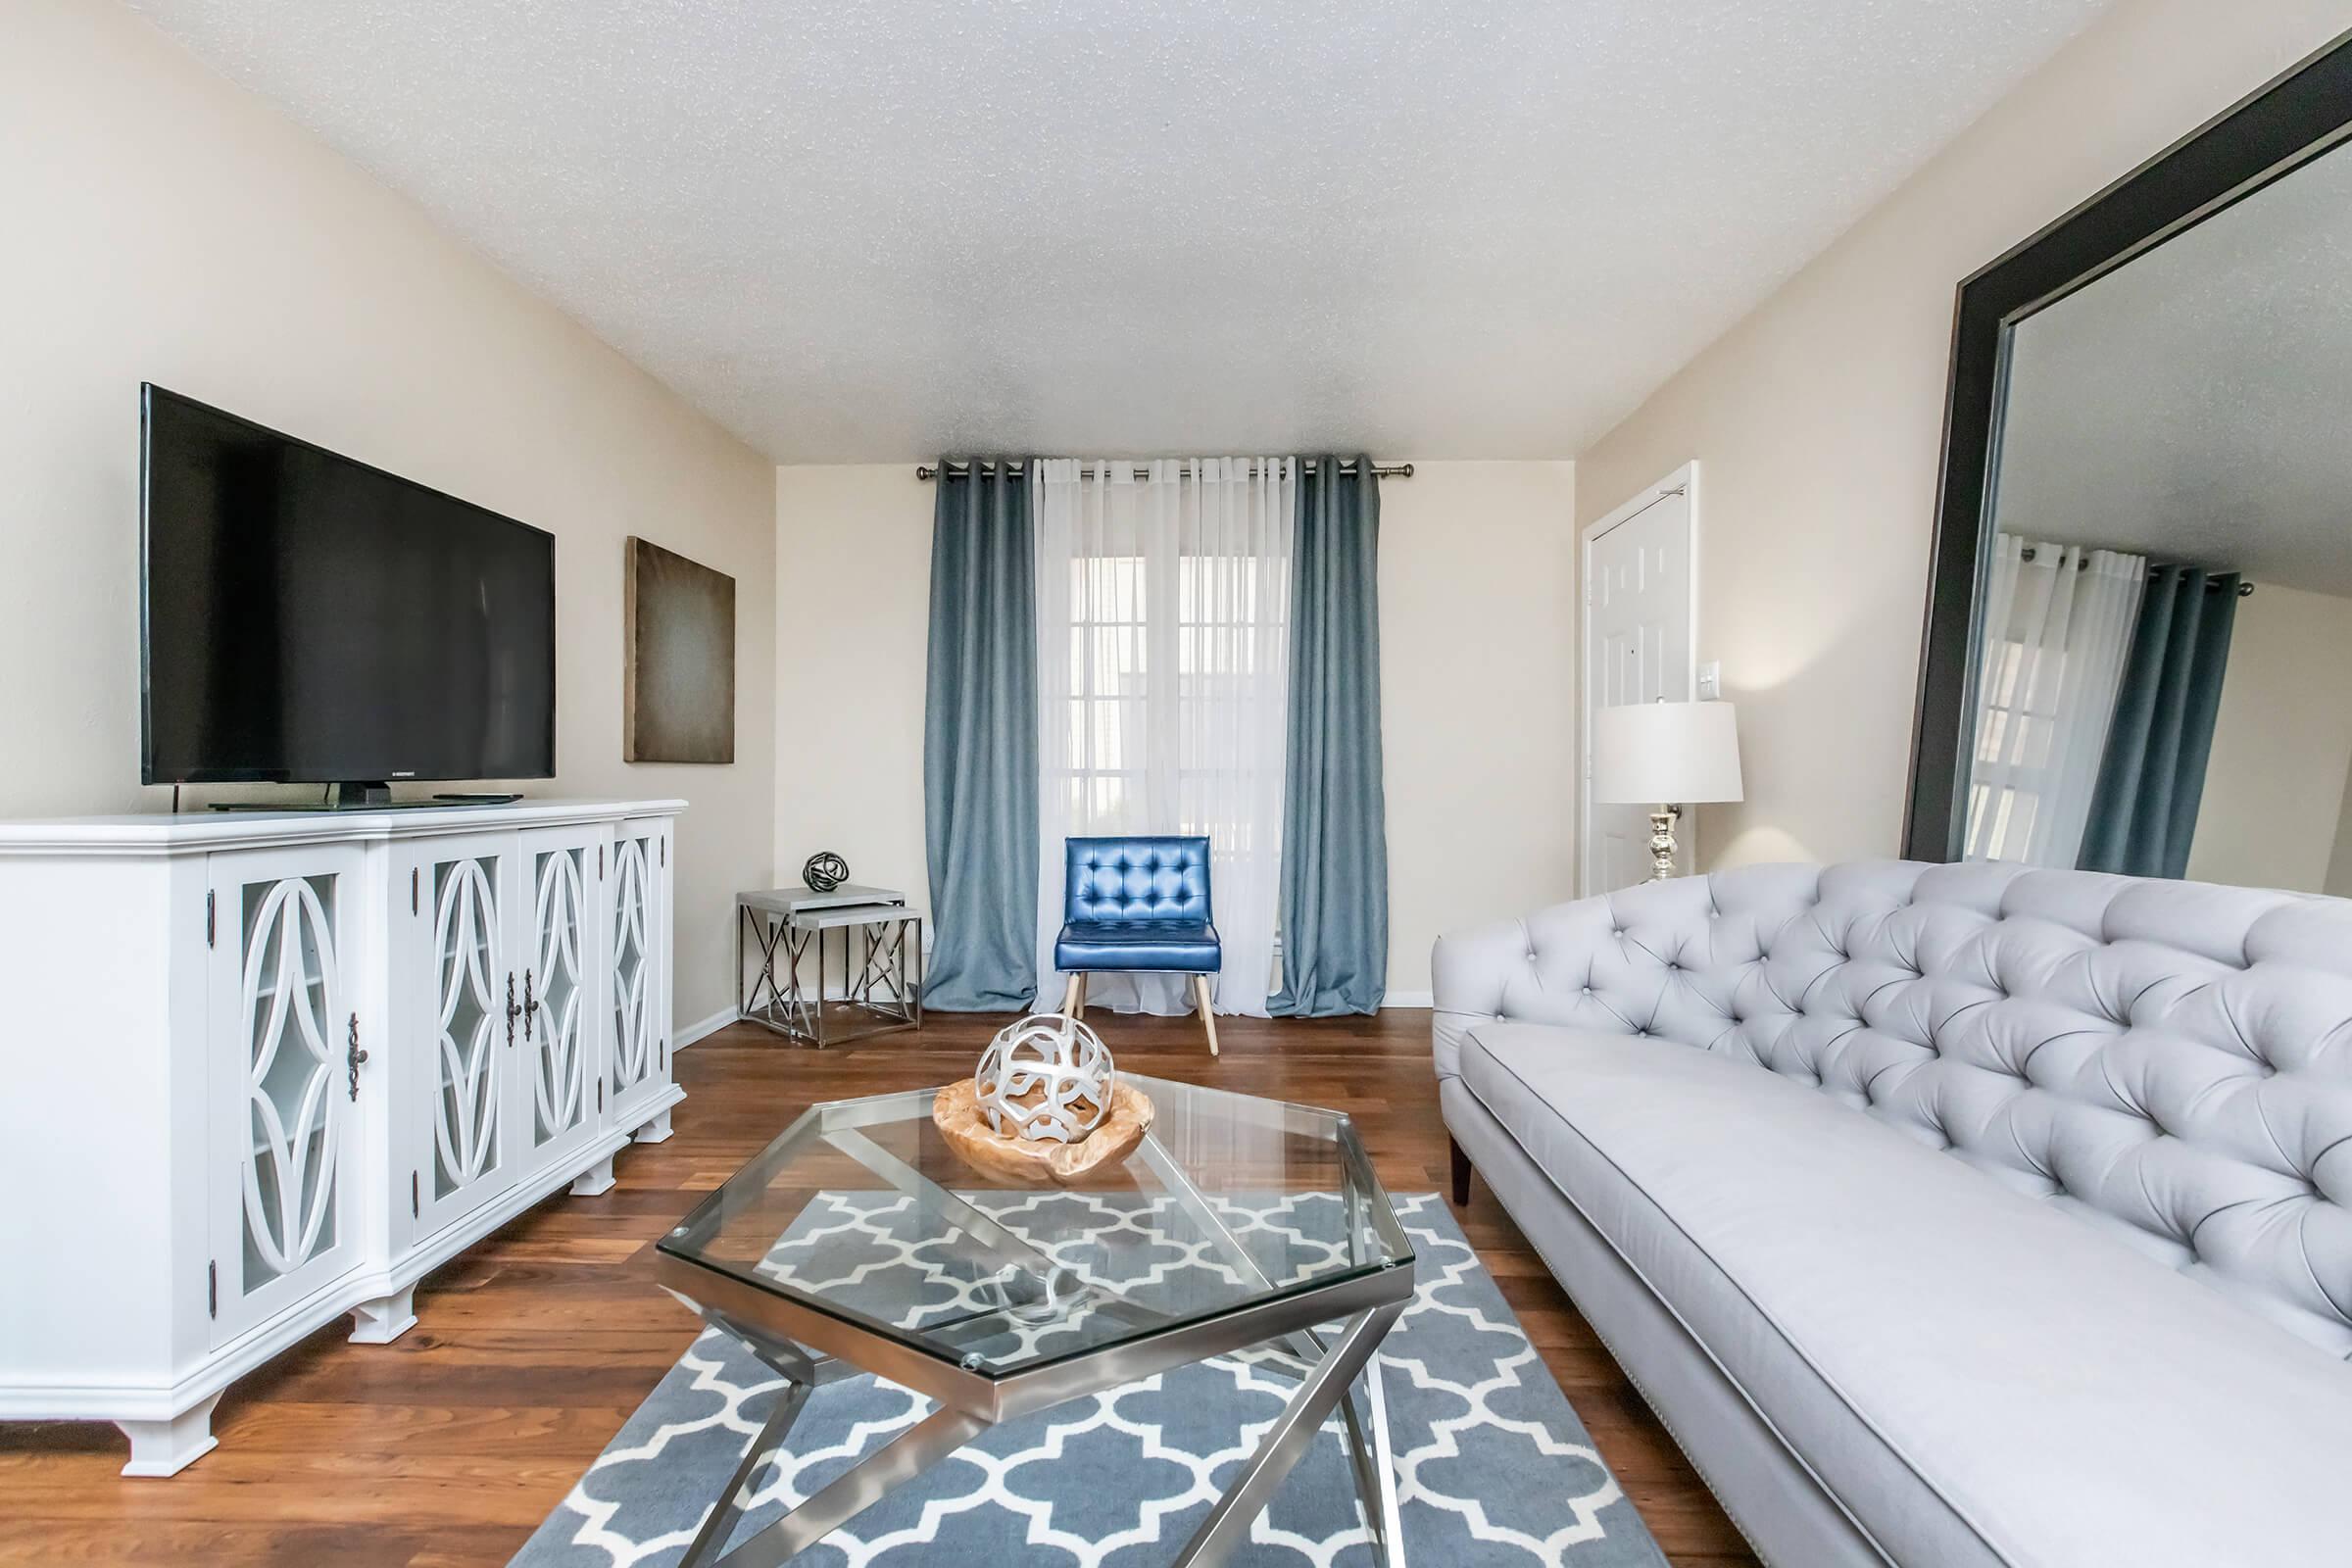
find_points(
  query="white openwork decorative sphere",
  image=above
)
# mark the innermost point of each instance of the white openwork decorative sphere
(1045, 1076)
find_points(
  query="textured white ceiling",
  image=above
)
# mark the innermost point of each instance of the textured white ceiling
(877, 229)
(2196, 403)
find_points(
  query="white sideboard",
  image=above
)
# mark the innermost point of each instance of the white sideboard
(265, 1069)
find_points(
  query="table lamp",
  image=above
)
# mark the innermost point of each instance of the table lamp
(1665, 755)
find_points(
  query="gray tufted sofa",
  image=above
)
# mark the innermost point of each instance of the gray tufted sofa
(1948, 1214)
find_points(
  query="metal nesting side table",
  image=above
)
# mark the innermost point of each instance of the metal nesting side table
(884, 989)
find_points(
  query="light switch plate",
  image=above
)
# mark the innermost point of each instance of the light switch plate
(1710, 682)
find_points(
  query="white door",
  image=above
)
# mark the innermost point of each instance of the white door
(561, 925)
(455, 1009)
(285, 1038)
(637, 922)
(1637, 646)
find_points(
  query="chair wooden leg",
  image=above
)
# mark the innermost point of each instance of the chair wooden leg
(1073, 997)
(1209, 1013)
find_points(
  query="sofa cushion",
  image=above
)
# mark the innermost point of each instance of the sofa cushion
(1188, 947)
(1975, 1375)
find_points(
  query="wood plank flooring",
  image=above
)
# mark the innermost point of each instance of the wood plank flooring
(449, 1445)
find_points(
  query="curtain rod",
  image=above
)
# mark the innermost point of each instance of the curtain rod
(2245, 590)
(1380, 470)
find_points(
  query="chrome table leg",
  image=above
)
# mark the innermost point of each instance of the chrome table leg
(720, 1523)
(1367, 1450)
(859, 1488)
(1228, 1523)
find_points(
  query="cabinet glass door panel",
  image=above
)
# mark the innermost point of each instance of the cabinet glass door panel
(563, 947)
(289, 987)
(470, 974)
(284, 1043)
(635, 984)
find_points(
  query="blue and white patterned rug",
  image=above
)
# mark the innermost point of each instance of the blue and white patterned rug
(1492, 1466)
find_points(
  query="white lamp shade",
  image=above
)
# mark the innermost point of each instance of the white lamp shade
(1665, 753)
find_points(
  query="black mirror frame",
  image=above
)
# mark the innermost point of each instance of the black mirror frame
(2294, 118)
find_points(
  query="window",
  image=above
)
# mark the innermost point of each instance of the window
(1163, 665)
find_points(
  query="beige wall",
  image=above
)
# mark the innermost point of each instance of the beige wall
(2274, 788)
(1478, 692)
(852, 620)
(2339, 865)
(1818, 419)
(165, 226)
(1477, 644)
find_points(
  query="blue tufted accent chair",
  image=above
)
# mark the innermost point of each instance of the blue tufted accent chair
(1139, 903)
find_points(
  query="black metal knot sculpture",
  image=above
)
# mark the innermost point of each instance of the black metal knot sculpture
(826, 871)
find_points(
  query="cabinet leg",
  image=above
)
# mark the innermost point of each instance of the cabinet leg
(655, 1131)
(167, 1448)
(596, 1179)
(1461, 1173)
(384, 1319)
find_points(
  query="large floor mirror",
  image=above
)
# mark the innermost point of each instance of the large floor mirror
(2140, 630)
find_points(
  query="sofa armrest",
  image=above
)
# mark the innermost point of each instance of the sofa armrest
(1489, 973)
(1666, 959)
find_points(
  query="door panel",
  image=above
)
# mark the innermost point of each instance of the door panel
(283, 1035)
(459, 976)
(1636, 650)
(469, 1159)
(639, 1005)
(563, 931)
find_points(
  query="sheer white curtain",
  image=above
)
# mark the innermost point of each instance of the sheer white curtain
(2058, 622)
(1163, 683)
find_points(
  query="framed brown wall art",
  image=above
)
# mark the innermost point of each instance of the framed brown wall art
(678, 692)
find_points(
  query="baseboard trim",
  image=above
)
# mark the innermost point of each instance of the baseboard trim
(687, 1034)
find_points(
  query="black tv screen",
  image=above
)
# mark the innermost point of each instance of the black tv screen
(309, 617)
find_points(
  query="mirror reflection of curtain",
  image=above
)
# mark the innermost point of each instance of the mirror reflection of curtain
(1163, 683)
(2153, 778)
(2058, 625)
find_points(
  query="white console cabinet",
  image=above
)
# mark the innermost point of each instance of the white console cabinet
(265, 1069)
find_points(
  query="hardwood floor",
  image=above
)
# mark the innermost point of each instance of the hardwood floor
(451, 1444)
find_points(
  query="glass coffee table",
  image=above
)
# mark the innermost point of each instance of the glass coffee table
(997, 1300)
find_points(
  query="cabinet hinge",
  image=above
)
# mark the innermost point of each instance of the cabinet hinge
(665, 852)
(600, 863)
(416, 1204)
(212, 1290)
(208, 916)
(413, 880)
(600, 1097)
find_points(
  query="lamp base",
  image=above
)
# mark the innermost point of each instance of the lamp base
(1661, 841)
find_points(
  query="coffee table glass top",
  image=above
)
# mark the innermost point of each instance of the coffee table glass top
(861, 1211)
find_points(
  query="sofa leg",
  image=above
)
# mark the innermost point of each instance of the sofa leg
(1209, 1013)
(1461, 1172)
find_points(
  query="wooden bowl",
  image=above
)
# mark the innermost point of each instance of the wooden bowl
(1028, 1159)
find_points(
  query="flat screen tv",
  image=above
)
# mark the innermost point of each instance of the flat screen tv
(307, 617)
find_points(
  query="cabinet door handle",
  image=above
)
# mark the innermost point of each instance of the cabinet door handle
(530, 1005)
(353, 1057)
(513, 1008)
